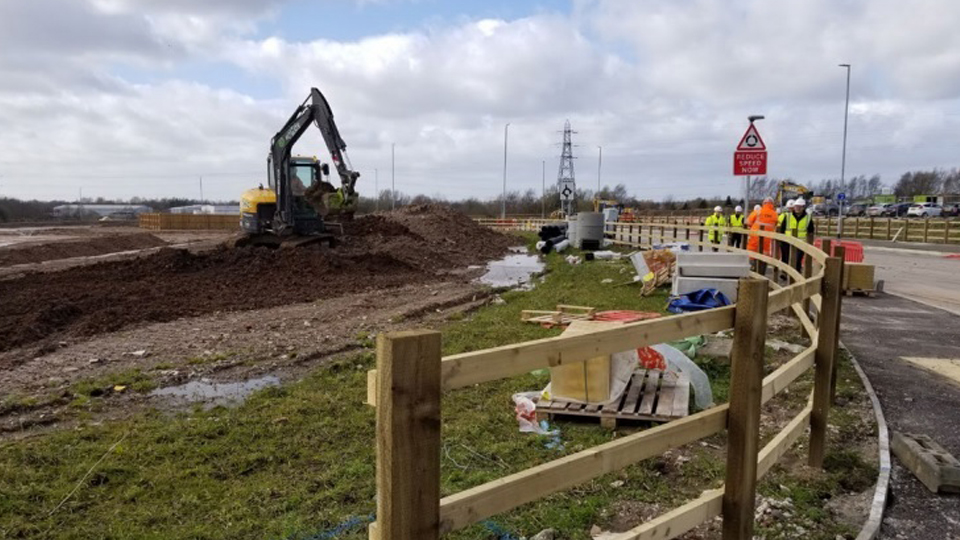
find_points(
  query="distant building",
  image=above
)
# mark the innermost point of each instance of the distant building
(74, 210)
(206, 209)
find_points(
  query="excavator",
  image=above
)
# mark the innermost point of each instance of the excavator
(789, 190)
(299, 203)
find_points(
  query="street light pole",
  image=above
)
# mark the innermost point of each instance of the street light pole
(746, 190)
(393, 175)
(503, 198)
(543, 191)
(376, 186)
(599, 163)
(843, 159)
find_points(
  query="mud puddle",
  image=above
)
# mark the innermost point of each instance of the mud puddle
(213, 394)
(515, 270)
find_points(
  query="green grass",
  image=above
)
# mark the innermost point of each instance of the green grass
(133, 379)
(299, 459)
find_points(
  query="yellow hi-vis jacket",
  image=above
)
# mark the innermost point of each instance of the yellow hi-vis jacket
(797, 227)
(715, 221)
(736, 220)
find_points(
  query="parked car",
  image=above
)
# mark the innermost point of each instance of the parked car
(897, 210)
(878, 210)
(855, 210)
(951, 210)
(925, 210)
(825, 209)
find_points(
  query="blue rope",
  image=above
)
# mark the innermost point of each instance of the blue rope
(354, 522)
(501, 533)
(347, 525)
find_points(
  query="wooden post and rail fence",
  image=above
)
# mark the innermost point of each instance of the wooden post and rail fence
(929, 230)
(411, 375)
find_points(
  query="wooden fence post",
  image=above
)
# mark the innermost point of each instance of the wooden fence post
(793, 257)
(408, 436)
(743, 418)
(824, 358)
(926, 230)
(871, 227)
(840, 252)
(946, 231)
(807, 274)
(701, 239)
(889, 229)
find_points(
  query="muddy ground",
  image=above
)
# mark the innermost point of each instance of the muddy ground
(231, 311)
(414, 245)
(29, 252)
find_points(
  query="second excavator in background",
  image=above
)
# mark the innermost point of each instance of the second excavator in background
(299, 202)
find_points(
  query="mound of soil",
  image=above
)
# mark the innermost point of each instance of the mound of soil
(409, 246)
(100, 245)
(428, 236)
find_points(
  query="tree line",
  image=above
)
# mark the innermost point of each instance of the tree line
(533, 203)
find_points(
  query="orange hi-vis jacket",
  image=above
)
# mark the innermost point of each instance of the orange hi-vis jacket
(765, 220)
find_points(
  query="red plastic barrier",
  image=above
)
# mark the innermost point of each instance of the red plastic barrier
(853, 253)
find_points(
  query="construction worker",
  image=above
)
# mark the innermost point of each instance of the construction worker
(736, 222)
(783, 246)
(799, 224)
(765, 220)
(716, 220)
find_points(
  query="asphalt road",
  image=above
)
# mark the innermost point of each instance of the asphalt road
(882, 332)
(926, 277)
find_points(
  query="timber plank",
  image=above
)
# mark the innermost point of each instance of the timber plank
(649, 392)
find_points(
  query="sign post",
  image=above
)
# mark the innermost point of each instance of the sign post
(750, 157)
(568, 194)
(841, 197)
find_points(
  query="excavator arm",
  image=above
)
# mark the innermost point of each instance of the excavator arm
(314, 109)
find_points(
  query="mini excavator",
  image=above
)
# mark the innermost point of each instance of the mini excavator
(299, 200)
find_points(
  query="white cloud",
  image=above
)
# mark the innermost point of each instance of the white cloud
(664, 86)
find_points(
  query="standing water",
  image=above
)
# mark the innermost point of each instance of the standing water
(514, 270)
(214, 393)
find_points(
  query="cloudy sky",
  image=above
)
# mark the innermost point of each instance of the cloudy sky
(142, 97)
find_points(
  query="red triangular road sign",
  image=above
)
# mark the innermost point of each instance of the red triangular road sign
(751, 141)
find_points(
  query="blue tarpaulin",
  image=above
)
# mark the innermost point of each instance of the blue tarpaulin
(698, 301)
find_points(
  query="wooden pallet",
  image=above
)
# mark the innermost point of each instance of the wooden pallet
(864, 292)
(650, 396)
(562, 316)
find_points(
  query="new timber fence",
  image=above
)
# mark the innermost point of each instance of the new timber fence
(170, 222)
(411, 375)
(927, 230)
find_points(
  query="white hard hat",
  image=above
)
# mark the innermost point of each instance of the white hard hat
(756, 208)
(738, 208)
(790, 203)
(717, 209)
(768, 200)
(800, 202)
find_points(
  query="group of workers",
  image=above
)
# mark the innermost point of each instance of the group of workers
(792, 221)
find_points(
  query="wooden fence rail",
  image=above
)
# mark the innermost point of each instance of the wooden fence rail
(411, 375)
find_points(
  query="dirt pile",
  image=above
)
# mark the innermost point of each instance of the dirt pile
(409, 246)
(431, 237)
(87, 247)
